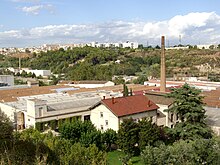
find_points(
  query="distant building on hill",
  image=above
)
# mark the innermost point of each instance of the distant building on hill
(126, 44)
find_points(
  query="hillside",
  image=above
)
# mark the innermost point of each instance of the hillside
(101, 64)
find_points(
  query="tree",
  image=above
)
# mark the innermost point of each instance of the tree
(199, 151)
(6, 127)
(157, 47)
(119, 80)
(188, 105)
(125, 90)
(149, 133)
(128, 137)
(141, 79)
(23, 74)
(211, 47)
(109, 137)
(75, 130)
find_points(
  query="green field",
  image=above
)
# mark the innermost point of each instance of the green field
(114, 158)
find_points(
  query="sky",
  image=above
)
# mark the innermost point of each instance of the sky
(25, 23)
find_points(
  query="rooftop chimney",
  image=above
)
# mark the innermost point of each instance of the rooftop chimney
(162, 66)
(113, 100)
(149, 103)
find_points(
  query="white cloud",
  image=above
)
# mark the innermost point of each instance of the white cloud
(194, 28)
(27, 1)
(32, 9)
(35, 10)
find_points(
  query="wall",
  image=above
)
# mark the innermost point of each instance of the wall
(139, 116)
(160, 120)
(8, 79)
(9, 111)
(99, 121)
(38, 72)
(63, 115)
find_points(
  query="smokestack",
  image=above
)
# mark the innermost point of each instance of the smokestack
(162, 66)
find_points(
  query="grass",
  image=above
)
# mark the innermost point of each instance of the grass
(114, 156)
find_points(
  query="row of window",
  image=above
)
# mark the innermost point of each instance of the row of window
(106, 124)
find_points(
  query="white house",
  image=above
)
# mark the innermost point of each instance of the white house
(129, 44)
(109, 113)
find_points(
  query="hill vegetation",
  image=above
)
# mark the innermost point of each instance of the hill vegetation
(89, 63)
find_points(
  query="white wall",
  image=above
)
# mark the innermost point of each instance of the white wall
(139, 116)
(109, 83)
(43, 73)
(8, 110)
(97, 120)
(8, 79)
(161, 109)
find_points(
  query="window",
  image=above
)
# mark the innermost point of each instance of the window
(171, 118)
(40, 111)
(171, 126)
(86, 117)
(102, 127)
(101, 114)
(177, 116)
(106, 122)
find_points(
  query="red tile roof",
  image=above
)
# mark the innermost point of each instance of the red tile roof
(124, 106)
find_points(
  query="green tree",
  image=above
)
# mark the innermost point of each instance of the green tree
(188, 105)
(119, 80)
(211, 47)
(75, 130)
(125, 90)
(149, 133)
(199, 151)
(92, 137)
(109, 137)
(6, 127)
(23, 74)
(157, 47)
(141, 79)
(128, 137)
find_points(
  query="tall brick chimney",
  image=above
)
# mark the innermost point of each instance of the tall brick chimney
(162, 66)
